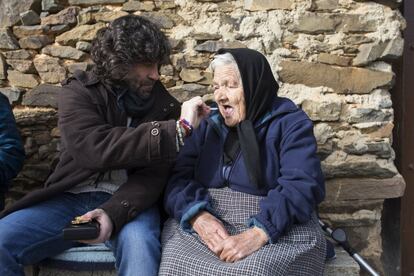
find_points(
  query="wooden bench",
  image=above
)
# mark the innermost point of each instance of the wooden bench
(97, 260)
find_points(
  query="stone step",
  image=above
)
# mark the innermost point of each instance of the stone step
(342, 265)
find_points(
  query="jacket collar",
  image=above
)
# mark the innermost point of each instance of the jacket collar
(85, 78)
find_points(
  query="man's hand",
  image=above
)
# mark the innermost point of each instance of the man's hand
(242, 245)
(194, 110)
(105, 223)
(210, 230)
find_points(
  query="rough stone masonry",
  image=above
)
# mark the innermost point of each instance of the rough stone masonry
(331, 57)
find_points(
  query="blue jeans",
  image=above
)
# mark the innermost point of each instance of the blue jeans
(30, 235)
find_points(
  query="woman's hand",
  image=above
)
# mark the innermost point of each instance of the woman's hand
(210, 230)
(194, 110)
(242, 245)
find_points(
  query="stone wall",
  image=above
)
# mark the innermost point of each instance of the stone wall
(332, 57)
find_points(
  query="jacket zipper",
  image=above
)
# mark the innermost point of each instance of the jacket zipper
(227, 180)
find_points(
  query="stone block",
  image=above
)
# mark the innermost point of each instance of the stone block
(38, 172)
(109, 16)
(65, 52)
(19, 79)
(341, 189)
(35, 41)
(49, 69)
(85, 18)
(265, 5)
(206, 36)
(10, 11)
(35, 117)
(191, 75)
(66, 16)
(355, 23)
(24, 31)
(323, 132)
(314, 23)
(212, 46)
(358, 114)
(165, 4)
(334, 59)
(353, 142)
(22, 65)
(167, 70)
(3, 68)
(341, 164)
(95, 2)
(341, 80)
(161, 20)
(138, 6)
(58, 29)
(325, 4)
(12, 93)
(7, 40)
(77, 66)
(29, 18)
(19, 54)
(53, 6)
(83, 46)
(187, 91)
(322, 110)
(44, 95)
(83, 32)
(390, 49)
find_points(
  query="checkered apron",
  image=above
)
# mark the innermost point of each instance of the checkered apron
(301, 251)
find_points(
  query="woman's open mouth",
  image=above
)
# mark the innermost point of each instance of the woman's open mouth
(227, 110)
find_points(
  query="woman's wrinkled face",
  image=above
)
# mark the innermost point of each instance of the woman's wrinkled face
(229, 95)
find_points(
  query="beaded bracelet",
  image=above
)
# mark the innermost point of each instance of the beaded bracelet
(187, 126)
(179, 134)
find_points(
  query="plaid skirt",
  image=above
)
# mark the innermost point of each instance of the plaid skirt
(301, 251)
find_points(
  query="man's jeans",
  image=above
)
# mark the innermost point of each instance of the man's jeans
(30, 235)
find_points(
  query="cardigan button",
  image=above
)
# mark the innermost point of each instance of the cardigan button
(125, 203)
(165, 109)
(155, 132)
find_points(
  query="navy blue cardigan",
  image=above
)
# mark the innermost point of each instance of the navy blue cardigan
(292, 171)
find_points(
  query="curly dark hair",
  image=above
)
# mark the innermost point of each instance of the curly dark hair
(127, 41)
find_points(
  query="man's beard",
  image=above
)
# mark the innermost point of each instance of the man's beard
(143, 90)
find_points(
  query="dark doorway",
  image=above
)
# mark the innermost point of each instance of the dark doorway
(403, 99)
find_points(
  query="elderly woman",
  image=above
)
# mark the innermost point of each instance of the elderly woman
(246, 184)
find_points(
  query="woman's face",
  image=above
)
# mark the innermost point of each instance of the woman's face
(229, 95)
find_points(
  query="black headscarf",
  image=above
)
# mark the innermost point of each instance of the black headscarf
(260, 87)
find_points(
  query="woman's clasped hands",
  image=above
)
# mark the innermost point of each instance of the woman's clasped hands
(228, 248)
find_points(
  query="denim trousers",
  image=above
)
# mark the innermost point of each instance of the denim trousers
(30, 235)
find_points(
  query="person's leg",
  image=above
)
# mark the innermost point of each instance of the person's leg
(137, 247)
(30, 235)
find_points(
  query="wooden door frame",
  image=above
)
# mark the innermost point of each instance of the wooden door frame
(403, 100)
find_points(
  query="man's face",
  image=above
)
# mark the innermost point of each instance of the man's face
(142, 77)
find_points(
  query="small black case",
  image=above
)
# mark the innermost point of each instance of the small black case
(84, 231)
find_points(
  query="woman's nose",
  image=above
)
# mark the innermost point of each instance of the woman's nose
(220, 94)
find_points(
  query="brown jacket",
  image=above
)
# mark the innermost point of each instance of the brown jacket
(94, 138)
